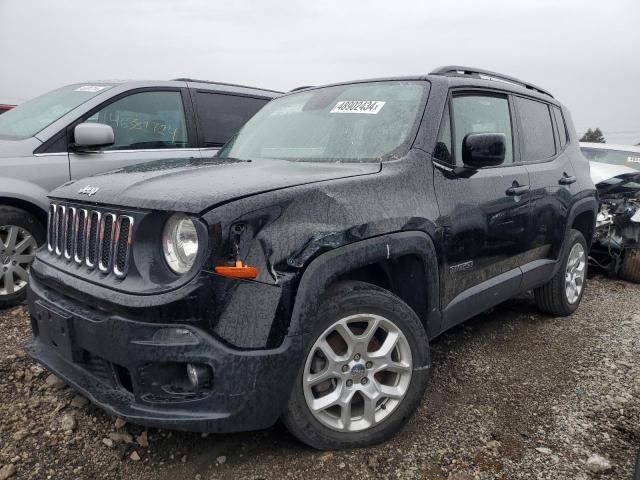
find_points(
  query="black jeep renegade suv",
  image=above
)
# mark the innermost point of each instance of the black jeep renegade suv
(301, 274)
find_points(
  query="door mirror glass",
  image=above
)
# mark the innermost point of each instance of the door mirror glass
(92, 135)
(484, 149)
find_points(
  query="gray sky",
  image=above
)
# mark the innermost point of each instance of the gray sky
(587, 53)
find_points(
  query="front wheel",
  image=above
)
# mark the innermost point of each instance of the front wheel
(364, 372)
(20, 235)
(563, 293)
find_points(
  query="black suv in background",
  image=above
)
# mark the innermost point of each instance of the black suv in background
(302, 273)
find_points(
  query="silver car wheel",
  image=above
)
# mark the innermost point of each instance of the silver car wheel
(574, 276)
(357, 372)
(17, 250)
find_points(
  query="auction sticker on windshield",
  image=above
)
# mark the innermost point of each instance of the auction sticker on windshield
(90, 88)
(358, 106)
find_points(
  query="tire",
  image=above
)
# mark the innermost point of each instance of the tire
(553, 297)
(20, 235)
(350, 302)
(630, 269)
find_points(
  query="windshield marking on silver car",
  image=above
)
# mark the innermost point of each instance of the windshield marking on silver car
(90, 88)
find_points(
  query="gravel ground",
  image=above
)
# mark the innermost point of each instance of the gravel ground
(515, 395)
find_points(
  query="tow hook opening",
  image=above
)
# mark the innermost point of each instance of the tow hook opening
(167, 381)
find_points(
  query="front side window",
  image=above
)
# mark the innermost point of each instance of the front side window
(221, 116)
(537, 130)
(481, 114)
(145, 120)
(355, 122)
(37, 114)
(613, 157)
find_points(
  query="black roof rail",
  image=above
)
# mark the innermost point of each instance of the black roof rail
(457, 70)
(300, 88)
(195, 80)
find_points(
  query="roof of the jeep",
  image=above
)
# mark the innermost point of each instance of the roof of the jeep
(457, 78)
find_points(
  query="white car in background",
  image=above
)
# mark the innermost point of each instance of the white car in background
(615, 169)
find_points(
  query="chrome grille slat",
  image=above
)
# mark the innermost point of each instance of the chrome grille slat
(122, 245)
(80, 235)
(93, 230)
(61, 210)
(91, 238)
(107, 230)
(51, 223)
(69, 232)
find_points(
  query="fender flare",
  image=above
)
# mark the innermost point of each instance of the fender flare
(326, 268)
(25, 191)
(590, 204)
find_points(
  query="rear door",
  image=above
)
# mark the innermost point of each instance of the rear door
(543, 143)
(485, 214)
(148, 124)
(220, 116)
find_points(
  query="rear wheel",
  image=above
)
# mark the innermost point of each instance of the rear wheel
(20, 236)
(630, 269)
(362, 377)
(563, 293)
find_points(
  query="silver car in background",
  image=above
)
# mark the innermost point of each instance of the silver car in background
(88, 128)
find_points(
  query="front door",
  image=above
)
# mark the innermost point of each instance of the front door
(147, 125)
(485, 214)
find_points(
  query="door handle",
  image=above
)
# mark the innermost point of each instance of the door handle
(517, 190)
(567, 180)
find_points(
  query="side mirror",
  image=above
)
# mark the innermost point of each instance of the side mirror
(89, 136)
(484, 149)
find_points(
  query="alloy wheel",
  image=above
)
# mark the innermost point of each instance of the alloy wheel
(17, 250)
(574, 276)
(357, 372)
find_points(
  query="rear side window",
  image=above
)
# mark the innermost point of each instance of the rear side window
(481, 114)
(221, 116)
(537, 130)
(562, 127)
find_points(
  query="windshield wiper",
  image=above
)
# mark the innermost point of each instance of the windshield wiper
(234, 159)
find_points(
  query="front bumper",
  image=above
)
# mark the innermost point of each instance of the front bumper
(119, 366)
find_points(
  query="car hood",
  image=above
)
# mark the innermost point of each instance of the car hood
(190, 185)
(613, 179)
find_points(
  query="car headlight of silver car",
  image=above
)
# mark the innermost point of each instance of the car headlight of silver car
(180, 243)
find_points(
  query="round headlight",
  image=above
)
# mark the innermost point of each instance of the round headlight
(180, 243)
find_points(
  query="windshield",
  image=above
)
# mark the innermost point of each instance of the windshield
(29, 118)
(357, 122)
(613, 157)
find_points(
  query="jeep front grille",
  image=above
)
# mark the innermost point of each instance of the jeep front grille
(93, 238)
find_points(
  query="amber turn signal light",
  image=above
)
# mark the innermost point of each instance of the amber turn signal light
(239, 270)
